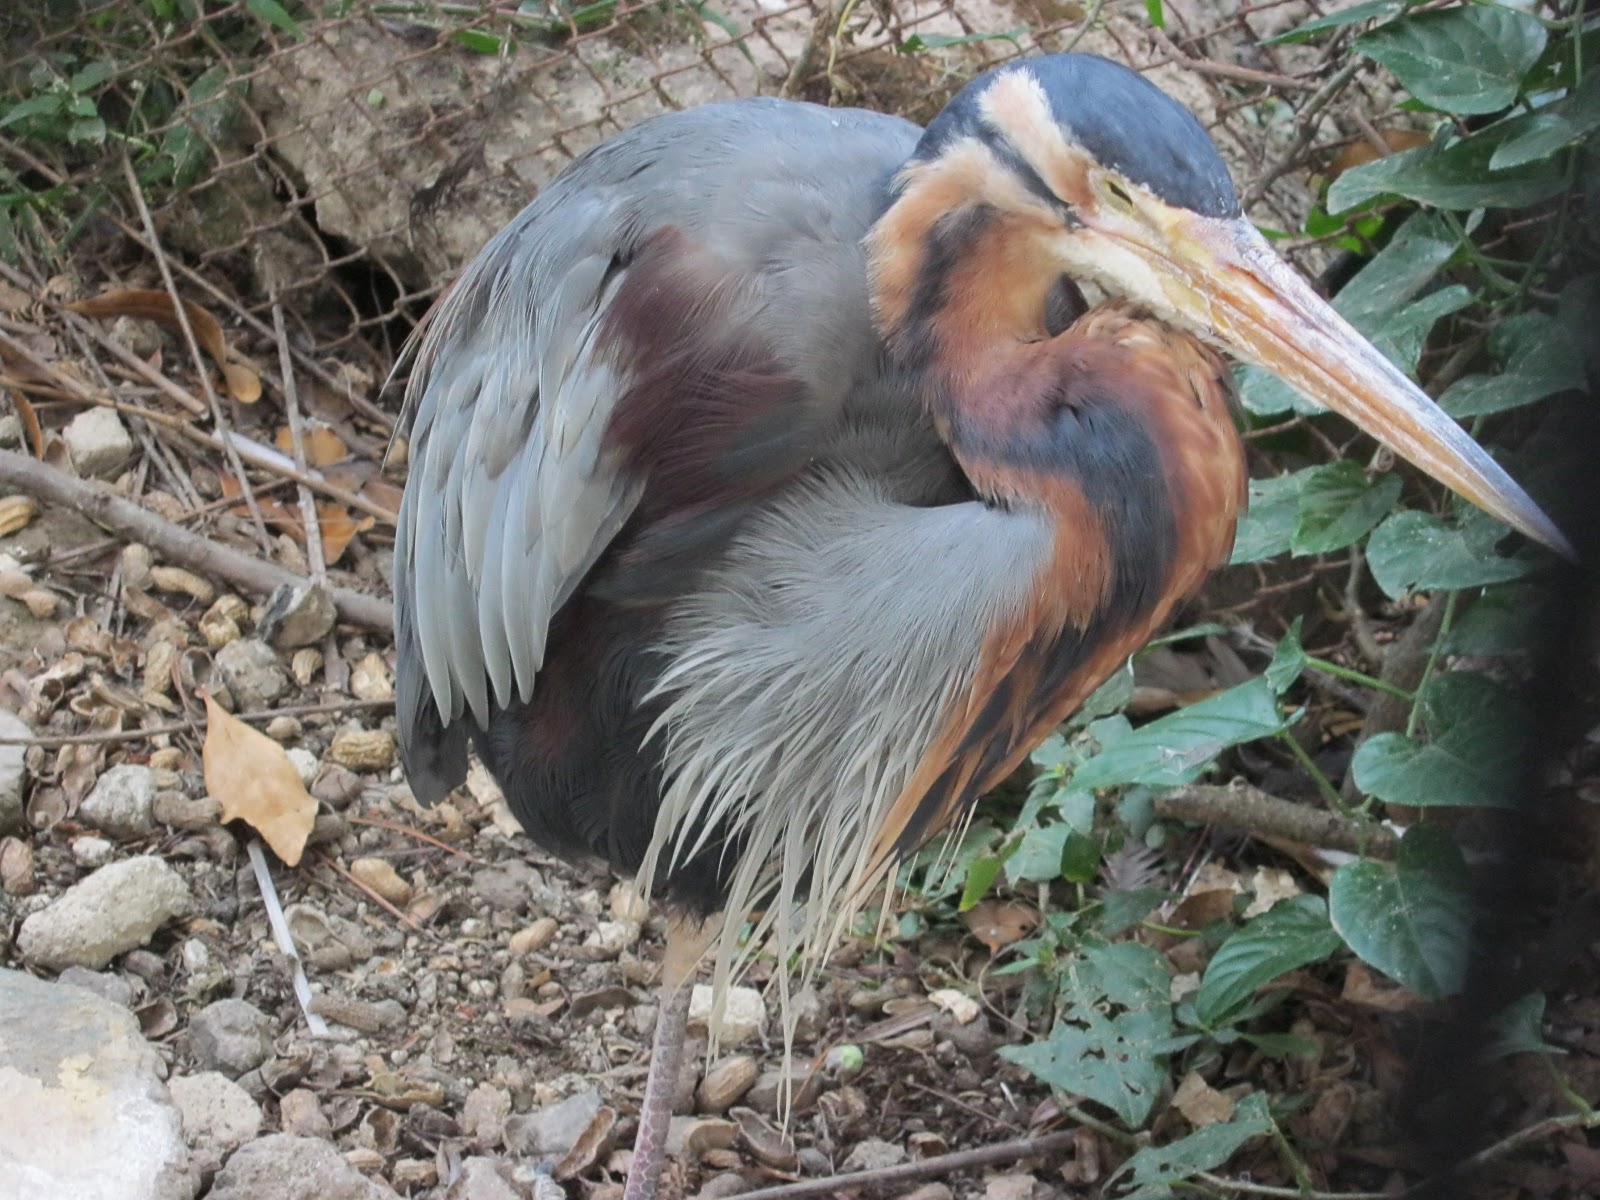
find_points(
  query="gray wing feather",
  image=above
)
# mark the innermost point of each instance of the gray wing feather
(514, 494)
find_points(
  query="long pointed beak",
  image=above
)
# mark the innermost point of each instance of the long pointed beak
(1231, 283)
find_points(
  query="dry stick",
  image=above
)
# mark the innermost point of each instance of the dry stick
(53, 741)
(218, 421)
(191, 550)
(940, 1164)
(1241, 806)
(372, 895)
(167, 421)
(396, 827)
(1310, 113)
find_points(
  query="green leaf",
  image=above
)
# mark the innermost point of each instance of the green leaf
(1385, 302)
(274, 14)
(1122, 910)
(918, 42)
(91, 77)
(1410, 921)
(1472, 755)
(1176, 748)
(1458, 177)
(1156, 1167)
(1338, 505)
(1463, 60)
(1418, 551)
(980, 878)
(1112, 1041)
(1538, 358)
(1519, 1029)
(1366, 11)
(1552, 128)
(1080, 857)
(1500, 622)
(479, 41)
(1289, 935)
(1267, 526)
(43, 104)
(1288, 660)
(1156, 12)
(1039, 856)
(1112, 696)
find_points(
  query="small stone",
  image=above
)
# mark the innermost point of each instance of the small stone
(628, 905)
(507, 887)
(382, 878)
(216, 1110)
(483, 1116)
(298, 615)
(219, 631)
(743, 1018)
(17, 873)
(182, 811)
(370, 678)
(363, 749)
(336, 786)
(135, 562)
(90, 851)
(726, 1083)
(1008, 1187)
(874, 1154)
(611, 938)
(552, 1131)
(305, 763)
(326, 942)
(120, 802)
(83, 1112)
(250, 671)
(534, 937)
(805, 1010)
(481, 1179)
(412, 1173)
(300, 1113)
(283, 729)
(231, 1036)
(364, 1016)
(690, 1137)
(282, 1166)
(728, 1183)
(13, 771)
(98, 442)
(113, 910)
(767, 1092)
(962, 1007)
(813, 1161)
(931, 1191)
(108, 987)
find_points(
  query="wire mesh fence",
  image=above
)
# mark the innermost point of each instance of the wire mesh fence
(348, 158)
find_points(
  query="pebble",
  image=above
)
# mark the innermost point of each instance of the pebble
(120, 802)
(298, 615)
(481, 1178)
(217, 1112)
(874, 1154)
(364, 1016)
(17, 874)
(507, 887)
(381, 877)
(180, 811)
(930, 1191)
(250, 671)
(13, 772)
(370, 678)
(813, 1161)
(115, 909)
(90, 851)
(743, 1018)
(483, 1116)
(728, 1183)
(305, 763)
(551, 1132)
(98, 442)
(282, 1166)
(83, 1111)
(534, 937)
(363, 749)
(764, 1096)
(726, 1083)
(325, 942)
(336, 786)
(611, 938)
(283, 729)
(300, 1113)
(231, 1036)
(690, 1137)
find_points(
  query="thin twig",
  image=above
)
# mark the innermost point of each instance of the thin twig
(177, 544)
(1309, 119)
(372, 895)
(218, 420)
(1243, 806)
(940, 1164)
(396, 827)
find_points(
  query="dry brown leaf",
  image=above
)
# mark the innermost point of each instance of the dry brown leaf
(1370, 990)
(324, 447)
(29, 419)
(339, 529)
(251, 777)
(1201, 1103)
(586, 1149)
(155, 305)
(998, 923)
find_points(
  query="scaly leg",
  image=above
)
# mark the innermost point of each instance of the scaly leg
(686, 941)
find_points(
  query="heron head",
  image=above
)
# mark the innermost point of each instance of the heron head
(1077, 166)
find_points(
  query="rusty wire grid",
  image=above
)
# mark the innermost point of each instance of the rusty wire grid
(351, 157)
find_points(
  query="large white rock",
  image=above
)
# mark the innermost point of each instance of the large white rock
(99, 442)
(83, 1111)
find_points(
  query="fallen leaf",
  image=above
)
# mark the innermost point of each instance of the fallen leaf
(1200, 1103)
(1270, 885)
(339, 528)
(587, 1148)
(155, 305)
(29, 419)
(251, 777)
(323, 446)
(998, 923)
(1364, 987)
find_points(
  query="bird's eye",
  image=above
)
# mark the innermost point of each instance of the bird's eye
(1117, 195)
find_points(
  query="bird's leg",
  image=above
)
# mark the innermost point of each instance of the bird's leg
(687, 939)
